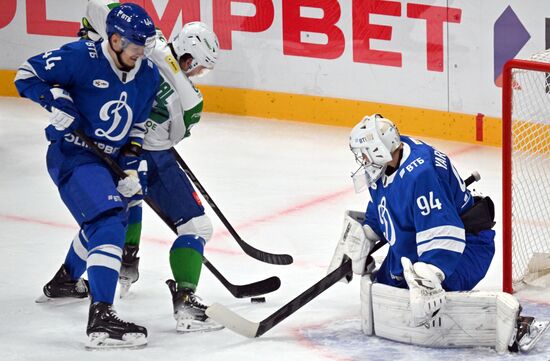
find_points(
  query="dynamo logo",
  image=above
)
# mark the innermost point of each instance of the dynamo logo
(386, 222)
(115, 111)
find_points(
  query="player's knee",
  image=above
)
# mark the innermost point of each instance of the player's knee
(198, 226)
(190, 242)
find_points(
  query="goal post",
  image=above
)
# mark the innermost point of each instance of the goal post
(526, 172)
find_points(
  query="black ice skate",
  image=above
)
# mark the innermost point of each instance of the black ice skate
(129, 270)
(105, 330)
(528, 332)
(189, 312)
(62, 288)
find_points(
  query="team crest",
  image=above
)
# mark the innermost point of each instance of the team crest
(118, 114)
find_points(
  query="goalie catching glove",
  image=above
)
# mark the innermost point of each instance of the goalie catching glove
(427, 297)
(355, 242)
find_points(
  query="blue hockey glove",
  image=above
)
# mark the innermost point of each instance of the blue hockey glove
(63, 112)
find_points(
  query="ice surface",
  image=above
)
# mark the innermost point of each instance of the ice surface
(284, 187)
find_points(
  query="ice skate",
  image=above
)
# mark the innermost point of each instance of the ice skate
(129, 270)
(189, 312)
(106, 331)
(62, 289)
(528, 332)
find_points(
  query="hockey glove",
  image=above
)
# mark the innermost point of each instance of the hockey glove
(134, 186)
(63, 112)
(427, 297)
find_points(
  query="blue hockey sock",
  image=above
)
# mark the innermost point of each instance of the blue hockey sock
(105, 242)
(75, 261)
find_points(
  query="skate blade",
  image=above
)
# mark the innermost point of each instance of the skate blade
(190, 326)
(101, 341)
(532, 342)
(59, 300)
(124, 287)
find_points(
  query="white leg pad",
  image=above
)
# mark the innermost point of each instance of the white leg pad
(469, 319)
(507, 313)
(367, 319)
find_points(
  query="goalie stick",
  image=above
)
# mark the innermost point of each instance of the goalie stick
(278, 259)
(238, 291)
(242, 326)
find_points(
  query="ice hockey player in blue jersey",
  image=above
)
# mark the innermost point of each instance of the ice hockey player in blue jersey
(106, 90)
(440, 240)
(177, 108)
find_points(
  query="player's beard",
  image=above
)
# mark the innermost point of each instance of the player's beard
(123, 66)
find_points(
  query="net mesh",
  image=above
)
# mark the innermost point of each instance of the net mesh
(531, 175)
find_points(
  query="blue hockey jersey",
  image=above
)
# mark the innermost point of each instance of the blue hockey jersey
(417, 209)
(113, 104)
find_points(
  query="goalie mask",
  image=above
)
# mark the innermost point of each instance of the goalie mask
(372, 141)
(196, 39)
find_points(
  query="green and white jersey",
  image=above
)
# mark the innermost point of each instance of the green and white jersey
(178, 105)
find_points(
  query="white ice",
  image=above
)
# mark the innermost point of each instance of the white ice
(283, 186)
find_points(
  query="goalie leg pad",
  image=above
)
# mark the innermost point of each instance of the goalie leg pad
(367, 318)
(470, 319)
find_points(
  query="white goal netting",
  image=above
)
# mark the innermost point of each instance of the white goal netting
(530, 168)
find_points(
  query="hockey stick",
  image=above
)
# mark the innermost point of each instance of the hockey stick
(474, 177)
(279, 259)
(242, 326)
(239, 291)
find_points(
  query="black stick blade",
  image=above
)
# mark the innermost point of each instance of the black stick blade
(272, 258)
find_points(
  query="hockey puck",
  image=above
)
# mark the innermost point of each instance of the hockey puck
(257, 299)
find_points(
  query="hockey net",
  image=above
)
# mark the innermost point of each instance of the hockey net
(526, 172)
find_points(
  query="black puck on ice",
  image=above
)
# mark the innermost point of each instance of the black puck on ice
(257, 299)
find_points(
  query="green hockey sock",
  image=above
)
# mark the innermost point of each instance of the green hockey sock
(186, 264)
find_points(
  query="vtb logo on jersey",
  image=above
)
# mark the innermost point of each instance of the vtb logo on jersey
(386, 222)
(117, 112)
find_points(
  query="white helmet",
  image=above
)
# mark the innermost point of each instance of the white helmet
(372, 141)
(196, 39)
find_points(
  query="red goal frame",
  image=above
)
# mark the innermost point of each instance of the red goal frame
(507, 93)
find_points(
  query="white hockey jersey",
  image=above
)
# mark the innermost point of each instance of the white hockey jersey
(178, 105)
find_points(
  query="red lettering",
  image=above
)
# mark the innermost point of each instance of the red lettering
(8, 12)
(225, 22)
(294, 25)
(364, 30)
(189, 9)
(435, 16)
(37, 23)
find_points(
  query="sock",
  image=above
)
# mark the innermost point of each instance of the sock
(75, 261)
(133, 234)
(186, 261)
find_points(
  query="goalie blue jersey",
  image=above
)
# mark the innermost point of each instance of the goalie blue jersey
(113, 104)
(417, 209)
